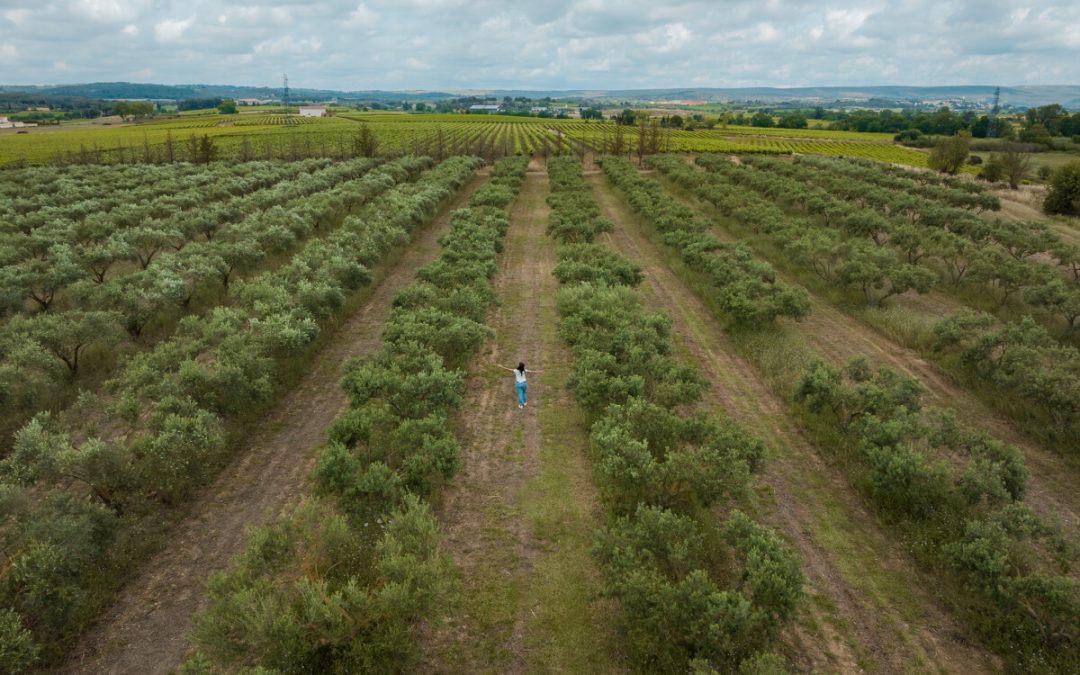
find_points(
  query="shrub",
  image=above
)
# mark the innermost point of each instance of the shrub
(1063, 195)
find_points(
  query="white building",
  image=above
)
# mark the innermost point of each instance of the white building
(490, 109)
(312, 111)
(6, 123)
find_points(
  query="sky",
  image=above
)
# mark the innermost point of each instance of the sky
(539, 44)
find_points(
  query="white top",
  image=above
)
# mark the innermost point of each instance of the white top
(519, 376)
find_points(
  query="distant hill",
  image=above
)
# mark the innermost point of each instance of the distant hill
(1019, 97)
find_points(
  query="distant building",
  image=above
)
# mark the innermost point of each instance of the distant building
(312, 111)
(252, 101)
(484, 109)
(6, 123)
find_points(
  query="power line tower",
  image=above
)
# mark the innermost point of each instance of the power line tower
(285, 100)
(991, 126)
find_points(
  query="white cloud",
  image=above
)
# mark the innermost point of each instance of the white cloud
(16, 16)
(665, 39)
(289, 45)
(110, 11)
(362, 17)
(542, 44)
(171, 30)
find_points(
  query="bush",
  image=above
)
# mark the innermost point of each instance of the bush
(334, 618)
(1063, 197)
(18, 651)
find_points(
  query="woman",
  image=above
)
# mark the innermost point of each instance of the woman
(519, 376)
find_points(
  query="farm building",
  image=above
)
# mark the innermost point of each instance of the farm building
(312, 111)
(484, 109)
(6, 123)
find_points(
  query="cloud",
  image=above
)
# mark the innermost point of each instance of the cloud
(171, 30)
(362, 17)
(288, 45)
(110, 11)
(552, 44)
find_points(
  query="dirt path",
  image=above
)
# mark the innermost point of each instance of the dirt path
(837, 337)
(868, 609)
(520, 515)
(145, 631)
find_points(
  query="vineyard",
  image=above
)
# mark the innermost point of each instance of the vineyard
(799, 410)
(268, 136)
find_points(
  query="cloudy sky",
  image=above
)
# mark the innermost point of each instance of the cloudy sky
(539, 44)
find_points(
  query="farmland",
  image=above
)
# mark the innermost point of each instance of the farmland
(789, 408)
(266, 135)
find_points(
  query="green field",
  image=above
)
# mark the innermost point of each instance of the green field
(265, 133)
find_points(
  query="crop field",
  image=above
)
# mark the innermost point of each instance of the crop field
(273, 134)
(791, 411)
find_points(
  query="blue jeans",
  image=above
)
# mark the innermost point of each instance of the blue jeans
(521, 392)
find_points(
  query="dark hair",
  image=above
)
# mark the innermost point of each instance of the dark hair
(521, 366)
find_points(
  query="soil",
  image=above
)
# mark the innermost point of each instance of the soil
(520, 517)
(145, 631)
(486, 532)
(869, 609)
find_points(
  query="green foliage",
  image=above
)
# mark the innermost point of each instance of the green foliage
(950, 153)
(959, 490)
(663, 568)
(575, 214)
(1020, 360)
(1063, 195)
(353, 608)
(746, 290)
(993, 170)
(590, 263)
(18, 651)
(691, 596)
(646, 454)
(180, 396)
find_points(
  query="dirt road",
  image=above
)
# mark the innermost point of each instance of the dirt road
(520, 515)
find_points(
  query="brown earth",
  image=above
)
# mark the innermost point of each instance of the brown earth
(869, 609)
(486, 534)
(145, 631)
(520, 516)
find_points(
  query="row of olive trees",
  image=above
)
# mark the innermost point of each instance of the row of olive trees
(957, 497)
(889, 237)
(694, 593)
(746, 289)
(1008, 255)
(946, 190)
(118, 284)
(1036, 378)
(76, 488)
(77, 191)
(353, 607)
